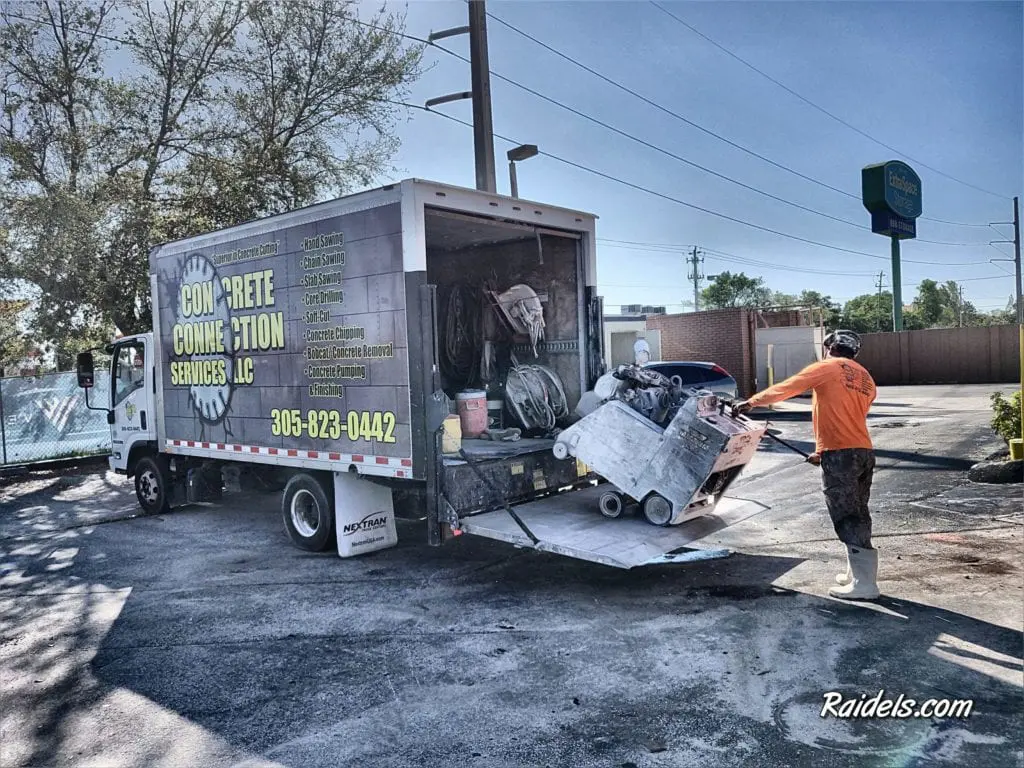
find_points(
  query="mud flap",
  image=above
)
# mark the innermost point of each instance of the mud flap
(570, 524)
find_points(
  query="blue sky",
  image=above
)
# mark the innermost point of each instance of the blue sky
(940, 81)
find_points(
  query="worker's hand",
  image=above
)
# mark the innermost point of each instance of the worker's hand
(740, 407)
(814, 459)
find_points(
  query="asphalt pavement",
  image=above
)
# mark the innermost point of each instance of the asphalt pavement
(202, 638)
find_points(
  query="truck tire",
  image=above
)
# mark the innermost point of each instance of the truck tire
(153, 484)
(308, 511)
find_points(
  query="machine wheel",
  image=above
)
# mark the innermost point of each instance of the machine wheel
(308, 512)
(657, 510)
(561, 450)
(153, 484)
(611, 504)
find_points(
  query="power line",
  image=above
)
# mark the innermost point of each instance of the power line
(820, 108)
(726, 257)
(591, 170)
(699, 127)
(671, 154)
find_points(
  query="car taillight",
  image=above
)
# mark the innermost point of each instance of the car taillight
(720, 371)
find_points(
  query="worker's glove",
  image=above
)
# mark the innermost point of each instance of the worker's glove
(814, 459)
(740, 407)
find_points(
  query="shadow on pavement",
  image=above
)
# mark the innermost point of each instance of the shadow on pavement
(201, 637)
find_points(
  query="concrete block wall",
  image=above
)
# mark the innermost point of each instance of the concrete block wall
(722, 336)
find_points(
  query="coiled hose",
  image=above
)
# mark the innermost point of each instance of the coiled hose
(536, 396)
(461, 351)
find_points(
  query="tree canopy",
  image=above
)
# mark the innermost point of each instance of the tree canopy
(126, 127)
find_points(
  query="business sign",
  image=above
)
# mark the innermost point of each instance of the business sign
(293, 338)
(891, 225)
(892, 187)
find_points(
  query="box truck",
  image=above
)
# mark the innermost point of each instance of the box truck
(321, 352)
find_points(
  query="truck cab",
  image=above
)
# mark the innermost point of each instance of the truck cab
(132, 402)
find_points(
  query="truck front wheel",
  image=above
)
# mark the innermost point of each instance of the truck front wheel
(308, 513)
(153, 484)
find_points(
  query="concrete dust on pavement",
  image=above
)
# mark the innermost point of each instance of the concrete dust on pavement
(201, 637)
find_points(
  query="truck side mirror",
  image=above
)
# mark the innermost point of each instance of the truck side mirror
(84, 369)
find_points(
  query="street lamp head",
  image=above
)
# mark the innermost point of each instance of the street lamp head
(523, 152)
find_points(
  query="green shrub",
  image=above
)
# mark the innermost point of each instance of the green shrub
(1006, 415)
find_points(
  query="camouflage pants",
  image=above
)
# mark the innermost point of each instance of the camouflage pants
(846, 481)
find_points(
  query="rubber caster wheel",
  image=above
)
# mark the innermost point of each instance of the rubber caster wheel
(611, 504)
(657, 510)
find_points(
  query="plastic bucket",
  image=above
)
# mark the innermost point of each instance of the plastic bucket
(451, 437)
(472, 408)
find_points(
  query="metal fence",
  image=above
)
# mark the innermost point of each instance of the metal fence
(45, 417)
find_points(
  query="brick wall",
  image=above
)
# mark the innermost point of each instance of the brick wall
(722, 336)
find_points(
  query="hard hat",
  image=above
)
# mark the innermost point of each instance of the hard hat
(843, 338)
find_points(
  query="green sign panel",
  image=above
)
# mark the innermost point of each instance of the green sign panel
(891, 187)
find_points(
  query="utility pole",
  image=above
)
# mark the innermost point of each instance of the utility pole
(878, 305)
(696, 275)
(1020, 304)
(1018, 290)
(960, 305)
(483, 128)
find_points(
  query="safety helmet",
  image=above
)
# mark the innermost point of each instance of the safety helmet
(845, 339)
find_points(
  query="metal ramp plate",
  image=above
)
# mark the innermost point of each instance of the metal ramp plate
(570, 524)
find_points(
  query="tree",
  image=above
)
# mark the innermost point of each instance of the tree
(739, 290)
(233, 110)
(832, 311)
(868, 313)
(15, 344)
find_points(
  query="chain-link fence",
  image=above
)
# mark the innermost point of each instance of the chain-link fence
(45, 417)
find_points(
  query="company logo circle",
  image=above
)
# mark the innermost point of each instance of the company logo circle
(208, 304)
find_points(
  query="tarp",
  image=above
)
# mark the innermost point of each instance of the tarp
(45, 417)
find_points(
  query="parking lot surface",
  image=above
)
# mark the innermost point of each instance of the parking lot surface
(202, 638)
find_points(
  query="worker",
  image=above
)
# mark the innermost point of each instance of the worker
(843, 392)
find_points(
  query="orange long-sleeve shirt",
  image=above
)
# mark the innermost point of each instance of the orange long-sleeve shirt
(843, 392)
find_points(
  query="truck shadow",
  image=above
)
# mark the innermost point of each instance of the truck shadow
(258, 651)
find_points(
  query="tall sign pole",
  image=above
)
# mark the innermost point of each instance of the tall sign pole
(897, 284)
(892, 193)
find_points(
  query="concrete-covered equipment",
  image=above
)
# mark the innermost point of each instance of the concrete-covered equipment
(674, 473)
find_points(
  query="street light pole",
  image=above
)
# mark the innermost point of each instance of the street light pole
(522, 152)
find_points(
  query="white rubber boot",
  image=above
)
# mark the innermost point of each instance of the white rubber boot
(845, 578)
(864, 572)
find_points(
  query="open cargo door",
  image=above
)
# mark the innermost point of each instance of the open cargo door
(570, 524)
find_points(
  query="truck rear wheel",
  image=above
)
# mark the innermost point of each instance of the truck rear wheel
(308, 511)
(153, 484)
